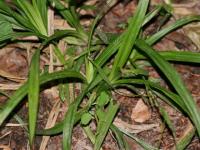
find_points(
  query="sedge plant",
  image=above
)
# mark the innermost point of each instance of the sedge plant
(110, 61)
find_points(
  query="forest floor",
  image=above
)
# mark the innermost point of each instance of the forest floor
(136, 116)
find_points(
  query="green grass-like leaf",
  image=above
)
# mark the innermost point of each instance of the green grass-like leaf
(33, 15)
(182, 143)
(33, 94)
(18, 96)
(175, 81)
(68, 126)
(67, 14)
(41, 5)
(70, 119)
(177, 56)
(142, 143)
(6, 31)
(167, 120)
(173, 98)
(104, 125)
(114, 46)
(129, 37)
(177, 24)
(120, 138)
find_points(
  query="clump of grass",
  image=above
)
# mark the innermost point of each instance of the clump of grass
(100, 76)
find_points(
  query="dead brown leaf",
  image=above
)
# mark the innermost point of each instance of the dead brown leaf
(13, 64)
(132, 128)
(186, 9)
(140, 112)
(192, 31)
(4, 147)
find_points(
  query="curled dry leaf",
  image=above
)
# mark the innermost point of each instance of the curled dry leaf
(191, 30)
(185, 9)
(140, 112)
(132, 128)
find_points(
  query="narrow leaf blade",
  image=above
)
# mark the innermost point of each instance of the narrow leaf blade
(175, 81)
(33, 94)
